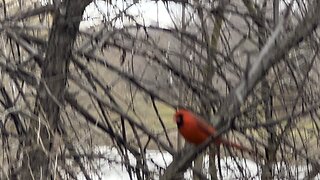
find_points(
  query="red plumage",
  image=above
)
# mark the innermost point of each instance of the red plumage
(195, 130)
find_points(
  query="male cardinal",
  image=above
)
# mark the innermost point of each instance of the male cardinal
(196, 130)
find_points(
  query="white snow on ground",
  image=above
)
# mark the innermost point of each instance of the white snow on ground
(111, 168)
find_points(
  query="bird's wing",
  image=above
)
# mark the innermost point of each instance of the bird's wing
(206, 127)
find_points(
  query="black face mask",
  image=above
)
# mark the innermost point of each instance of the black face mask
(179, 120)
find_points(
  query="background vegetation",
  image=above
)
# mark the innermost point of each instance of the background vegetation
(251, 68)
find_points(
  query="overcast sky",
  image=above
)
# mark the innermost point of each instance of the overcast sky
(144, 11)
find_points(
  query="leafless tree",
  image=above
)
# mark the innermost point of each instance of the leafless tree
(251, 68)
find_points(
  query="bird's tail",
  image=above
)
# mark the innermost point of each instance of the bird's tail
(241, 148)
(235, 145)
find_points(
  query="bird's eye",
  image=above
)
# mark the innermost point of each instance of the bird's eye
(179, 120)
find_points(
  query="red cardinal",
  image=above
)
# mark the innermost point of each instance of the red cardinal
(196, 130)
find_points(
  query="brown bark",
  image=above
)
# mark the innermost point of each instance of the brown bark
(208, 79)
(44, 141)
(271, 148)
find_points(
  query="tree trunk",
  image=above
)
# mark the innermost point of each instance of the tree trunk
(208, 80)
(271, 149)
(38, 162)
